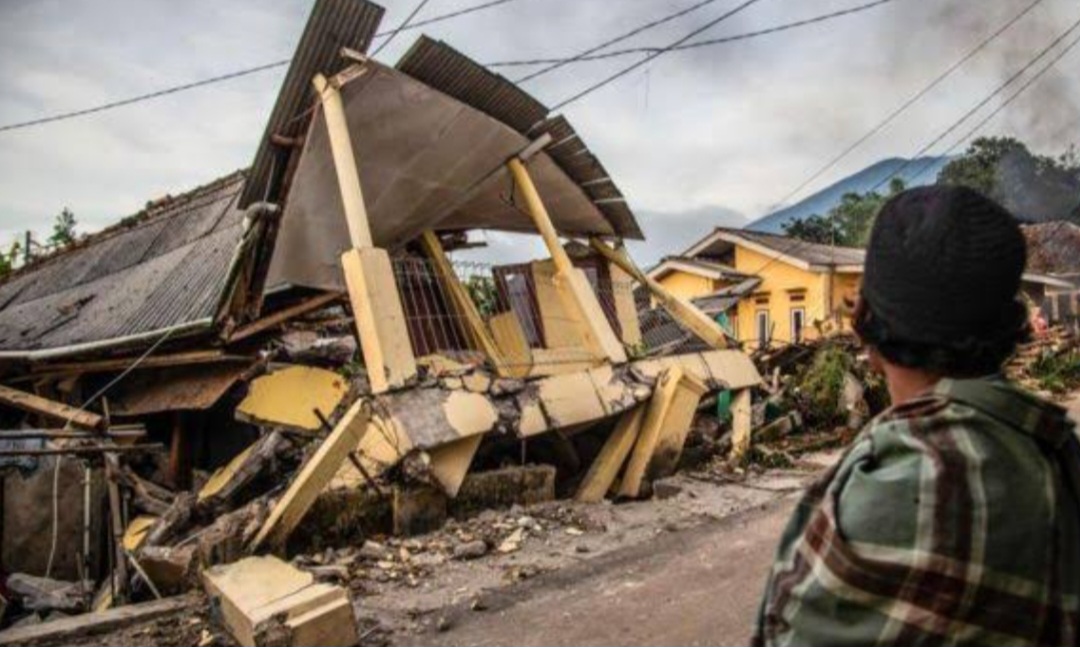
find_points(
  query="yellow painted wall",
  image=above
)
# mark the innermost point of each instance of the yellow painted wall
(688, 286)
(779, 280)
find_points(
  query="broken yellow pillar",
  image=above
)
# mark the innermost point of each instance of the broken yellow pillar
(369, 275)
(741, 423)
(348, 174)
(683, 311)
(574, 287)
(605, 468)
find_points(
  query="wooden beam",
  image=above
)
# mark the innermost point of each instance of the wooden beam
(380, 318)
(73, 628)
(477, 330)
(84, 451)
(281, 316)
(605, 468)
(348, 175)
(159, 361)
(313, 478)
(49, 408)
(741, 423)
(682, 310)
(574, 288)
(651, 428)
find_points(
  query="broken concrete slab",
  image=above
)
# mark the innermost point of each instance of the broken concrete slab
(289, 397)
(264, 601)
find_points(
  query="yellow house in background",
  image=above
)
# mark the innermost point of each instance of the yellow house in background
(768, 289)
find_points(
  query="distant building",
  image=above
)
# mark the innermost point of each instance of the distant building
(777, 290)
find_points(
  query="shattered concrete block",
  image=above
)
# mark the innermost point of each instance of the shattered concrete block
(504, 488)
(264, 601)
(477, 382)
(172, 570)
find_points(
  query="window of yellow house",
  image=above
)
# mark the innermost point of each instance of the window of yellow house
(763, 328)
(798, 323)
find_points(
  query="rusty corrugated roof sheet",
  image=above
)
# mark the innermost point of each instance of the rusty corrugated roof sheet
(333, 24)
(169, 268)
(444, 68)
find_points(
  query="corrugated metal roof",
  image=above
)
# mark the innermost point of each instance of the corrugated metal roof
(333, 24)
(719, 241)
(168, 268)
(447, 70)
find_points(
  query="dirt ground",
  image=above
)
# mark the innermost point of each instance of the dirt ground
(686, 567)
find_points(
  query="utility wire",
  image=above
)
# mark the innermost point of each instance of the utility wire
(557, 63)
(660, 52)
(980, 105)
(1004, 104)
(590, 55)
(63, 116)
(1042, 54)
(895, 114)
(695, 45)
(404, 24)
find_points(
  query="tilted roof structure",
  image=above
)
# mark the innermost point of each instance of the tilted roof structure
(431, 136)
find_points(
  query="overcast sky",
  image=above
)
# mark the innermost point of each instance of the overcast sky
(694, 139)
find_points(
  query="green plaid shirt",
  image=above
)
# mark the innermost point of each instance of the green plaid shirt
(952, 519)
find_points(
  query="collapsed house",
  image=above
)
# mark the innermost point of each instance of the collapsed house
(181, 390)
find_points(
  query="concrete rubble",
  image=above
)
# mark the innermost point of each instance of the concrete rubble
(355, 407)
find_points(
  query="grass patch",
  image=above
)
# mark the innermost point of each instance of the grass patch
(1055, 373)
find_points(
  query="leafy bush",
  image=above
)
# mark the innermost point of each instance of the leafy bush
(1057, 373)
(821, 383)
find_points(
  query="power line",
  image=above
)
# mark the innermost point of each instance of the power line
(630, 68)
(1042, 54)
(982, 104)
(695, 45)
(1004, 104)
(404, 25)
(556, 64)
(895, 114)
(63, 116)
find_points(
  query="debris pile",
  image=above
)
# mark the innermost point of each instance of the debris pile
(1049, 364)
(286, 363)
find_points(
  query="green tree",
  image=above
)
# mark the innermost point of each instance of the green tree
(482, 291)
(1033, 187)
(63, 233)
(848, 224)
(8, 259)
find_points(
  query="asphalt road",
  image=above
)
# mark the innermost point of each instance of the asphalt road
(694, 587)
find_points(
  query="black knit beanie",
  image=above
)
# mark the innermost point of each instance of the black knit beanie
(944, 265)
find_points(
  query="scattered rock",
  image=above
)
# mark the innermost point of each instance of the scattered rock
(513, 542)
(666, 489)
(373, 550)
(470, 550)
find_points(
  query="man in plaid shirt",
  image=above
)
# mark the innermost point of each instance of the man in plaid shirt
(954, 516)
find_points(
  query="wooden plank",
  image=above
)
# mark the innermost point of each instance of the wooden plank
(280, 317)
(77, 627)
(476, 329)
(380, 318)
(316, 474)
(580, 299)
(49, 408)
(683, 311)
(741, 423)
(509, 336)
(85, 451)
(651, 427)
(602, 472)
(154, 361)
